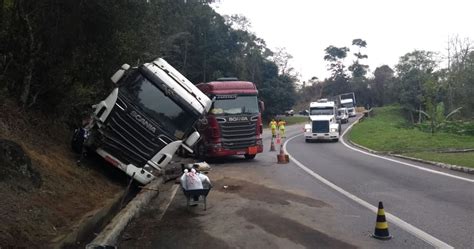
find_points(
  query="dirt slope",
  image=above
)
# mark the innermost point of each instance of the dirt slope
(43, 192)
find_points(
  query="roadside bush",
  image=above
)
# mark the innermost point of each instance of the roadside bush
(454, 127)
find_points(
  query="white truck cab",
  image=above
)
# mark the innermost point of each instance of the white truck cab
(323, 124)
(342, 115)
(144, 120)
(349, 104)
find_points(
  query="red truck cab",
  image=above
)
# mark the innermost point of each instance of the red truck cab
(234, 122)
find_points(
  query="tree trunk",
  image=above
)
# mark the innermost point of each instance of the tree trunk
(1, 13)
(419, 114)
(25, 93)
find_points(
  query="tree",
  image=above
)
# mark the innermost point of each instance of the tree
(383, 77)
(339, 79)
(415, 71)
(282, 58)
(279, 94)
(459, 75)
(359, 70)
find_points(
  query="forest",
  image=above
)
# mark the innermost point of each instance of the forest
(434, 89)
(56, 58)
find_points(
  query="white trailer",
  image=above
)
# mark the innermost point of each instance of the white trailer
(347, 100)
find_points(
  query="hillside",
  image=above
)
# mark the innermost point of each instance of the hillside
(43, 192)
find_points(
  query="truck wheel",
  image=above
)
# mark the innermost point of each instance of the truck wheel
(249, 157)
(77, 140)
(200, 152)
(307, 140)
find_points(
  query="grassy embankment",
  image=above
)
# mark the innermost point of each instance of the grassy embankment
(388, 131)
(290, 120)
(295, 119)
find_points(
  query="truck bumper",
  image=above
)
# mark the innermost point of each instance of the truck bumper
(139, 174)
(221, 152)
(321, 136)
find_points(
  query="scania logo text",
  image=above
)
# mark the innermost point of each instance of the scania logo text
(237, 119)
(143, 121)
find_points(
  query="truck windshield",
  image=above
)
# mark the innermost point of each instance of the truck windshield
(347, 105)
(321, 111)
(235, 104)
(157, 106)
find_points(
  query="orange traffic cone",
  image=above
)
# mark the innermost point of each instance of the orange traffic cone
(272, 145)
(381, 226)
(282, 158)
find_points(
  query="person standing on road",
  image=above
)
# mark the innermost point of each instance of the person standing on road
(273, 127)
(281, 127)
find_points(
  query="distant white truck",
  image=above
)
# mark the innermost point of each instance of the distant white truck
(323, 124)
(342, 115)
(347, 100)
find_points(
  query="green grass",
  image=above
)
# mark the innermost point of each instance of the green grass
(388, 131)
(462, 159)
(295, 119)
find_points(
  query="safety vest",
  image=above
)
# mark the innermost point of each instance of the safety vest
(281, 125)
(273, 124)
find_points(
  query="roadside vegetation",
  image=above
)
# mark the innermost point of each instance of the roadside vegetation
(290, 120)
(389, 131)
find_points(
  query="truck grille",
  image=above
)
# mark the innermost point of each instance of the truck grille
(320, 126)
(238, 135)
(128, 140)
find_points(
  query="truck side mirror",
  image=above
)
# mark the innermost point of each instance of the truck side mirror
(261, 106)
(119, 74)
(192, 139)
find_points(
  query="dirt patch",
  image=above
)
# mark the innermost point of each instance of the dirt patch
(45, 201)
(257, 192)
(286, 228)
(185, 232)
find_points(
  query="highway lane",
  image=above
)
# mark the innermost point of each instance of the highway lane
(439, 205)
(266, 205)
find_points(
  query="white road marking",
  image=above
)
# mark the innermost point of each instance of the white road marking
(390, 217)
(400, 162)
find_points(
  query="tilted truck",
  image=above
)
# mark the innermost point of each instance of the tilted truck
(148, 115)
(323, 124)
(347, 100)
(234, 122)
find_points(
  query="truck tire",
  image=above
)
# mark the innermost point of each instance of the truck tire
(306, 140)
(199, 153)
(249, 157)
(77, 141)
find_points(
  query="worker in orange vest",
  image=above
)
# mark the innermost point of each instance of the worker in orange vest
(273, 127)
(281, 127)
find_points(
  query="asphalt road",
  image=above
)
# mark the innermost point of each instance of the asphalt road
(262, 204)
(437, 204)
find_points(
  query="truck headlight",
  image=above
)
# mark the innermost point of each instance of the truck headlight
(333, 129)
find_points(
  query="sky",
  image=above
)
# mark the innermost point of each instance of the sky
(390, 28)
